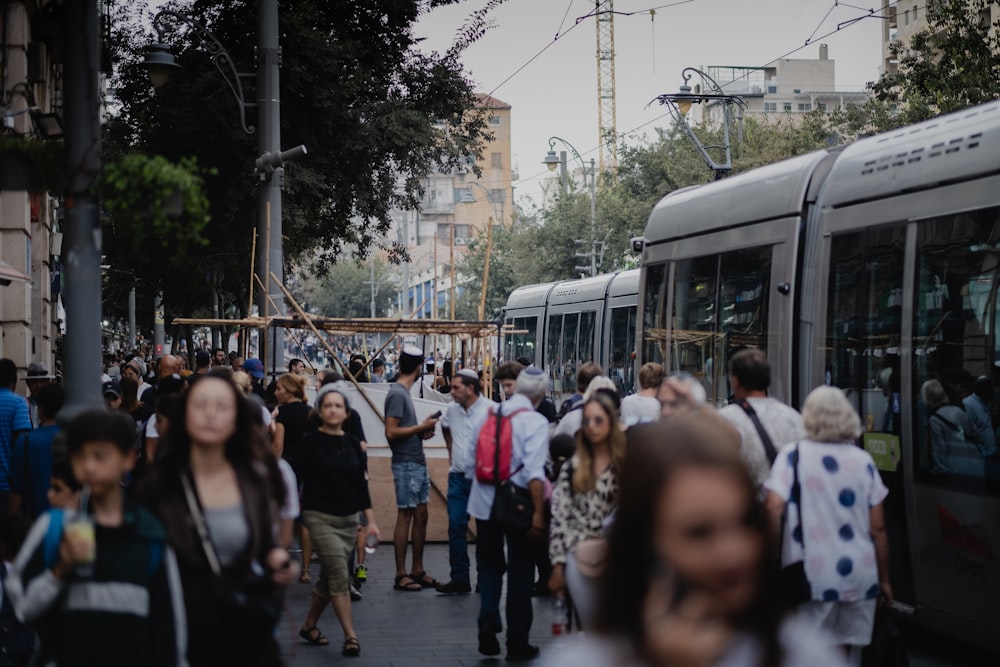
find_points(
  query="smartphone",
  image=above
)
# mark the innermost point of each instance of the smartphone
(436, 415)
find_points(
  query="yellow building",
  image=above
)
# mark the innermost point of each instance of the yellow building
(907, 17)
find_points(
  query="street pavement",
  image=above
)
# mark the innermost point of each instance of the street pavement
(396, 628)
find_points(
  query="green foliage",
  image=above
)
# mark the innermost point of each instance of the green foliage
(345, 290)
(949, 66)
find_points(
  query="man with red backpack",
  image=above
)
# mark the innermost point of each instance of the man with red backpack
(511, 448)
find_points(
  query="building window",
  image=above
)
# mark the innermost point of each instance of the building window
(463, 232)
(822, 106)
(805, 107)
(496, 160)
(464, 195)
(498, 195)
(786, 106)
(797, 91)
(770, 106)
(772, 90)
(494, 120)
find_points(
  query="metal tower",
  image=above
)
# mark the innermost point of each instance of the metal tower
(606, 122)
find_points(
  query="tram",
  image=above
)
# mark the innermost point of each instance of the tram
(873, 267)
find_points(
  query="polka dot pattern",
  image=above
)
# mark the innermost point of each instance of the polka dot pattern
(797, 534)
(830, 595)
(830, 464)
(846, 532)
(845, 566)
(872, 592)
(847, 497)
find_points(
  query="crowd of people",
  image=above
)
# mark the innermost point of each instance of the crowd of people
(160, 530)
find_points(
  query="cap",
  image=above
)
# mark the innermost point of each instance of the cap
(111, 389)
(413, 351)
(39, 371)
(468, 373)
(524, 360)
(254, 367)
(202, 358)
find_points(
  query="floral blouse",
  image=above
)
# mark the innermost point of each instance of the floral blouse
(579, 516)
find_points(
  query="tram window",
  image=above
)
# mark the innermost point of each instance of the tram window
(956, 351)
(585, 343)
(553, 358)
(621, 344)
(720, 307)
(568, 352)
(863, 331)
(523, 344)
(654, 320)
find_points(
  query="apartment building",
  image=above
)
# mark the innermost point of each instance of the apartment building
(788, 87)
(904, 18)
(456, 205)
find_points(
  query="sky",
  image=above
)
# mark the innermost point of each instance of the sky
(556, 93)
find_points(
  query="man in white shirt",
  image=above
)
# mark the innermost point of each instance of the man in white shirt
(749, 378)
(529, 449)
(460, 427)
(644, 406)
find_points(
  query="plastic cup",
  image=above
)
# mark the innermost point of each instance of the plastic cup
(371, 542)
(82, 530)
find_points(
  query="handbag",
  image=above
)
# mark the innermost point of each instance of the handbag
(794, 581)
(886, 648)
(252, 603)
(513, 506)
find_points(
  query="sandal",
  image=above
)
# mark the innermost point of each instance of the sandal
(410, 585)
(304, 578)
(314, 637)
(352, 647)
(424, 580)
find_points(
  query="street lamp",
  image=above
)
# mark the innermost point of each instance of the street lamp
(679, 104)
(552, 161)
(489, 198)
(270, 164)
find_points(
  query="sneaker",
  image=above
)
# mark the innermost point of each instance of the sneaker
(360, 575)
(453, 588)
(488, 642)
(355, 594)
(522, 653)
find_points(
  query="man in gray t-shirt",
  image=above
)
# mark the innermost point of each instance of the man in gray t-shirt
(409, 471)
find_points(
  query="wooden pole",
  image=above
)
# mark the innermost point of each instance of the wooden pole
(307, 318)
(451, 295)
(245, 341)
(486, 269)
(298, 343)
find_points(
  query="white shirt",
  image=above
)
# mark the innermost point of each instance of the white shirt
(839, 485)
(571, 422)
(638, 409)
(290, 508)
(530, 435)
(464, 426)
(782, 423)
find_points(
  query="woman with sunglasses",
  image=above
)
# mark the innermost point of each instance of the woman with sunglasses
(690, 578)
(585, 494)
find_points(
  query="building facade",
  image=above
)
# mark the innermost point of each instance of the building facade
(457, 208)
(904, 18)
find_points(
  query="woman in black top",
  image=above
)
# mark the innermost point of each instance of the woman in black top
(334, 490)
(290, 417)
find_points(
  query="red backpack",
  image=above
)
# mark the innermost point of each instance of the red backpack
(494, 446)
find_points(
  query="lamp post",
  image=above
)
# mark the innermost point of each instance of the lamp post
(270, 164)
(489, 198)
(679, 104)
(552, 161)
(81, 248)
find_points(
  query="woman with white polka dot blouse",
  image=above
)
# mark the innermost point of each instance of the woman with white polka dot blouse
(843, 543)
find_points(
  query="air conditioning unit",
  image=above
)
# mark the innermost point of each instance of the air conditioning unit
(461, 240)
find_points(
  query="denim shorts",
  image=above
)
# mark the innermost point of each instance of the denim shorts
(413, 484)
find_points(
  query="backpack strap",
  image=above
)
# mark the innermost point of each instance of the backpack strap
(765, 439)
(53, 536)
(953, 426)
(496, 450)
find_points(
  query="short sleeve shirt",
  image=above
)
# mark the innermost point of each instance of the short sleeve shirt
(840, 485)
(13, 418)
(398, 404)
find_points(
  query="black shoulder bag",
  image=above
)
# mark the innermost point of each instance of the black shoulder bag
(765, 439)
(253, 603)
(794, 582)
(513, 506)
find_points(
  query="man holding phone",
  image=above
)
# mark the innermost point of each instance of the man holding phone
(409, 471)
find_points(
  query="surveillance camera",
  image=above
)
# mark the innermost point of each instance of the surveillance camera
(637, 243)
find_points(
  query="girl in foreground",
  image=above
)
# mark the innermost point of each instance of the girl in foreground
(702, 589)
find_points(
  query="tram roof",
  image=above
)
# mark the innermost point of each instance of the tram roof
(955, 147)
(529, 296)
(585, 289)
(625, 283)
(767, 193)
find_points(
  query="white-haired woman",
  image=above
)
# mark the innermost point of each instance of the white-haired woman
(841, 537)
(334, 490)
(951, 450)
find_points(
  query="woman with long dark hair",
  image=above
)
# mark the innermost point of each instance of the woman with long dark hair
(690, 578)
(585, 494)
(216, 488)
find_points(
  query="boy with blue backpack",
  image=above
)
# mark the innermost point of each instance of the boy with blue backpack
(100, 583)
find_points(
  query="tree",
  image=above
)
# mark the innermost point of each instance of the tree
(950, 65)
(345, 290)
(375, 111)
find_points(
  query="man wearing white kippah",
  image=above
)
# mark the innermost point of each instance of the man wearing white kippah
(460, 426)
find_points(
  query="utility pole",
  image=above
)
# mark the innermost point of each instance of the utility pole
(81, 251)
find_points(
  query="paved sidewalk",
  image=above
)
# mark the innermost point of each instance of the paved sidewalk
(396, 628)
